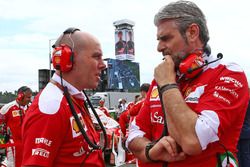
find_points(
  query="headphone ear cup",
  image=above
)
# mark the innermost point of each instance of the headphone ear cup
(192, 61)
(62, 58)
(20, 96)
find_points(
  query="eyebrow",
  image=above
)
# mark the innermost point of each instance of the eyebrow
(163, 37)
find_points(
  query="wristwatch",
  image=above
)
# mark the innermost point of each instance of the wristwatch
(147, 148)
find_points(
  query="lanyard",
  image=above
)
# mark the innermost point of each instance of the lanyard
(84, 112)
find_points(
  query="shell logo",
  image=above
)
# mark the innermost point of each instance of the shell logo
(188, 91)
(154, 93)
(57, 60)
(75, 126)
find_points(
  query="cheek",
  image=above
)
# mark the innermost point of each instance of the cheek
(177, 46)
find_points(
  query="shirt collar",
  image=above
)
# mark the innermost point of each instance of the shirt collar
(72, 90)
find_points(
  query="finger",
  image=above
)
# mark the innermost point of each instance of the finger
(172, 143)
(168, 146)
(164, 57)
(180, 156)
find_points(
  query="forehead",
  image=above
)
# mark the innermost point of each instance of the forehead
(166, 26)
(93, 45)
(28, 93)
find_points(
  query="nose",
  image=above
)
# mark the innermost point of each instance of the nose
(102, 65)
(160, 46)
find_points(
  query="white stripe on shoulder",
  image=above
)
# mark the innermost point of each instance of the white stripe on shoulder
(229, 65)
(7, 106)
(234, 67)
(50, 99)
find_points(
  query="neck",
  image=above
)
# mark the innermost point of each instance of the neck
(20, 103)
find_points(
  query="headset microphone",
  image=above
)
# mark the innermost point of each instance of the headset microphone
(219, 56)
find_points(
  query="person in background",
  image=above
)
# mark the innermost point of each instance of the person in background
(137, 98)
(123, 105)
(130, 44)
(12, 115)
(119, 104)
(124, 119)
(54, 127)
(196, 104)
(120, 46)
(244, 141)
(133, 109)
(103, 108)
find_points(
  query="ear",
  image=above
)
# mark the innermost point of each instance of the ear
(193, 32)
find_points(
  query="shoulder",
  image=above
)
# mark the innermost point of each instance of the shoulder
(49, 101)
(8, 106)
(230, 66)
(226, 71)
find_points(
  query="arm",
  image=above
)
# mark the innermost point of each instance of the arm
(139, 134)
(181, 121)
(164, 150)
(137, 146)
(134, 110)
(122, 122)
(178, 112)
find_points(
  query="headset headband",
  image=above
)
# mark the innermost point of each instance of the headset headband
(71, 30)
(23, 89)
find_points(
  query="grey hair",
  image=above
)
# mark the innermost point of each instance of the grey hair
(184, 13)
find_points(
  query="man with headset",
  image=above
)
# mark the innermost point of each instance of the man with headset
(204, 100)
(12, 115)
(57, 129)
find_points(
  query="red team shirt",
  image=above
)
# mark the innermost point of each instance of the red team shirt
(13, 115)
(220, 97)
(105, 111)
(51, 136)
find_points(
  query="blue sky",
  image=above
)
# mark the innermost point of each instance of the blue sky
(27, 26)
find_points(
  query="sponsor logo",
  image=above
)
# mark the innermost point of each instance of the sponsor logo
(74, 127)
(2, 140)
(156, 118)
(231, 80)
(40, 152)
(58, 53)
(217, 95)
(43, 141)
(191, 89)
(188, 91)
(192, 99)
(197, 62)
(79, 153)
(16, 113)
(154, 94)
(194, 93)
(232, 92)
